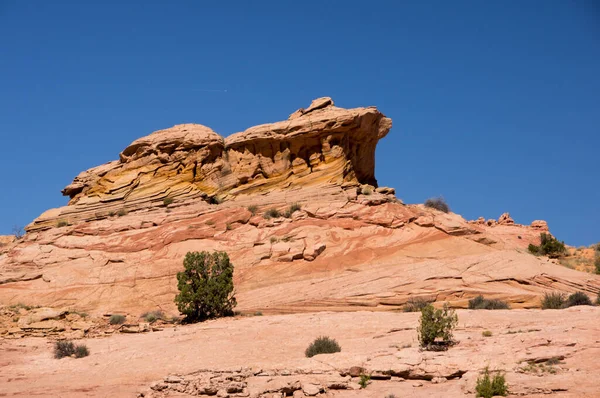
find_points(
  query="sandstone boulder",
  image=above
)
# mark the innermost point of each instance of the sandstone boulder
(505, 219)
(540, 225)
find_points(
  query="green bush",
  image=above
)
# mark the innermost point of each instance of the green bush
(366, 190)
(597, 263)
(294, 207)
(549, 246)
(486, 333)
(81, 351)
(272, 213)
(364, 380)
(598, 299)
(122, 213)
(67, 349)
(480, 303)
(415, 304)
(438, 204)
(436, 324)
(153, 316)
(205, 286)
(322, 345)
(252, 209)
(488, 388)
(62, 223)
(553, 301)
(167, 201)
(578, 298)
(117, 319)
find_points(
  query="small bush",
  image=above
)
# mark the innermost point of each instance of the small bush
(210, 222)
(578, 298)
(322, 345)
(117, 319)
(597, 264)
(598, 299)
(272, 213)
(486, 333)
(205, 286)
(549, 246)
(364, 380)
(228, 226)
(274, 239)
(62, 223)
(63, 349)
(18, 232)
(487, 388)
(438, 203)
(167, 201)
(122, 213)
(252, 209)
(81, 351)
(415, 304)
(153, 316)
(480, 303)
(294, 207)
(258, 313)
(111, 213)
(436, 324)
(553, 301)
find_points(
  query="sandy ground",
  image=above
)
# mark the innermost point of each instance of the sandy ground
(123, 365)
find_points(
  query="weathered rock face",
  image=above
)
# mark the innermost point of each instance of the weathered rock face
(317, 146)
(506, 219)
(118, 245)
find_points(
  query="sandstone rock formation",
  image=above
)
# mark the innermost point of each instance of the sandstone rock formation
(540, 225)
(119, 244)
(505, 219)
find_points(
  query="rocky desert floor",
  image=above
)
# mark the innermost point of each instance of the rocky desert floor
(541, 352)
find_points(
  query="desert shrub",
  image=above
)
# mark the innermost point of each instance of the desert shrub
(62, 223)
(228, 226)
(252, 209)
(322, 345)
(598, 299)
(258, 313)
(210, 222)
(436, 324)
(488, 387)
(274, 239)
(293, 207)
(486, 333)
(122, 213)
(18, 232)
(63, 349)
(67, 349)
(438, 204)
(597, 264)
(480, 303)
(272, 213)
(167, 201)
(549, 246)
(578, 298)
(364, 380)
(553, 301)
(81, 351)
(533, 249)
(111, 213)
(205, 286)
(117, 319)
(153, 316)
(415, 304)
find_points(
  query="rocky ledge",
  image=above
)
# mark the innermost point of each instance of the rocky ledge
(317, 146)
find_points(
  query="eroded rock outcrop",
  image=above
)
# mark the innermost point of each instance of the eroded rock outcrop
(321, 145)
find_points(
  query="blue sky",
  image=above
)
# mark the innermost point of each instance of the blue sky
(496, 104)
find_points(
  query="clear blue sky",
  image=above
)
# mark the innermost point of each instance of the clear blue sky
(496, 104)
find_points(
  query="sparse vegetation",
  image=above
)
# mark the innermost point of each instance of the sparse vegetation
(597, 263)
(62, 223)
(438, 203)
(252, 209)
(415, 304)
(210, 222)
(549, 246)
(111, 213)
(116, 319)
(486, 333)
(294, 207)
(480, 303)
(18, 306)
(553, 301)
(435, 327)
(18, 232)
(364, 380)
(153, 316)
(488, 387)
(322, 345)
(167, 201)
(272, 213)
(121, 213)
(578, 298)
(258, 313)
(274, 239)
(205, 286)
(228, 226)
(598, 299)
(67, 349)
